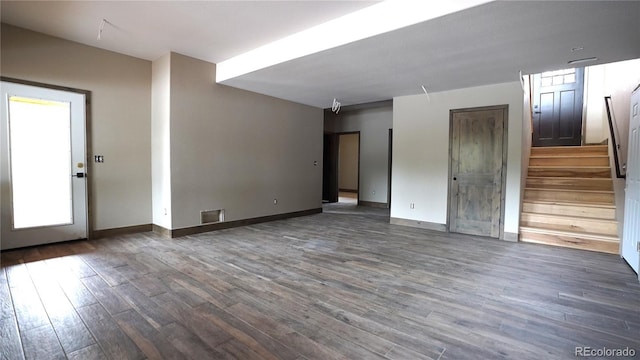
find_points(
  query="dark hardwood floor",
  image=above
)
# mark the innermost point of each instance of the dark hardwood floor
(344, 284)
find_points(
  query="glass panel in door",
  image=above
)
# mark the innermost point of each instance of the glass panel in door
(40, 163)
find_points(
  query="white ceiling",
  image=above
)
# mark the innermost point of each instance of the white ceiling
(209, 30)
(486, 44)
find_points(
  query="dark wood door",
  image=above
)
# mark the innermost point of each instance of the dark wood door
(477, 161)
(557, 107)
(330, 168)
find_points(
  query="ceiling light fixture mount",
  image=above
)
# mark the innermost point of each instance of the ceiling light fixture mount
(521, 78)
(584, 60)
(336, 106)
(101, 27)
(425, 92)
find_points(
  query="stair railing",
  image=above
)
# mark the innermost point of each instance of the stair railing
(615, 140)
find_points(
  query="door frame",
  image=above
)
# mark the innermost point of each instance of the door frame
(338, 134)
(333, 166)
(505, 143)
(390, 151)
(329, 167)
(87, 119)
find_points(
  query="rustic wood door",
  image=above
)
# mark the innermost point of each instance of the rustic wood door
(557, 107)
(477, 171)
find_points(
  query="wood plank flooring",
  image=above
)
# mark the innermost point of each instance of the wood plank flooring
(344, 284)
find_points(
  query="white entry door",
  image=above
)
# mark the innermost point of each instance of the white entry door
(43, 193)
(631, 230)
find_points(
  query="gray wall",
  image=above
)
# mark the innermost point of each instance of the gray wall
(213, 146)
(236, 150)
(120, 116)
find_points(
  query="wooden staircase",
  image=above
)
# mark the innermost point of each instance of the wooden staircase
(569, 199)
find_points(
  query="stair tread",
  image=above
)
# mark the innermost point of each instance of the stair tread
(557, 167)
(568, 203)
(568, 178)
(585, 235)
(590, 227)
(571, 147)
(569, 183)
(568, 156)
(565, 171)
(573, 217)
(572, 190)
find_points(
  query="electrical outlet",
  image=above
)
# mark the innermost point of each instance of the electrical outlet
(412, 206)
(98, 158)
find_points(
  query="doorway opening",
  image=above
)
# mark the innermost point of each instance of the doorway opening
(348, 168)
(341, 172)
